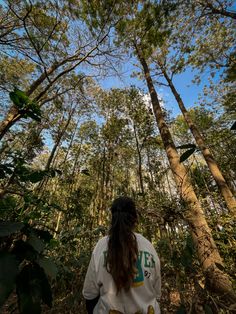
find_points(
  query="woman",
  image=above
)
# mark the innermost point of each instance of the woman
(124, 271)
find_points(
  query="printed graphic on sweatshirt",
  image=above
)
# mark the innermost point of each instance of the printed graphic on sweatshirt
(139, 278)
(144, 258)
(150, 310)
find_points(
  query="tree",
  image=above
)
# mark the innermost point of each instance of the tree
(144, 41)
(207, 154)
(52, 65)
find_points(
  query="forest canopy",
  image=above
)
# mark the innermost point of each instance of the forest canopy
(109, 98)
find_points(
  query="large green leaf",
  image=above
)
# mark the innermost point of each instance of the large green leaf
(233, 127)
(46, 288)
(207, 309)
(43, 234)
(32, 287)
(22, 96)
(187, 154)
(33, 116)
(220, 266)
(15, 99)
(49, 266)
(19, 98)
(2, 174)
(185, 146)
(36, 243)
(85, 171)
(24, 251)
(36, 176)
(4, 170)
(8, 273)
(27, 107)
(181, 310)
(8, 227)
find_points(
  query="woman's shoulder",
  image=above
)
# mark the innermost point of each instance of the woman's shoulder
(140, 237)
(142, 241)
(101, 243)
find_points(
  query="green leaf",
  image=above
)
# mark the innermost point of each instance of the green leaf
(33, 116)
(32, 286)
(54, 243)
(36, 243)
(181, 310)
(49, 267)
(19, 98)
(8, 273)
(43, 234)
(59, 172)
(36, 176)
(207, 309)
(233, 127)
(85, 171)
(2, 174)
(5, 169)
(220, 266)
(46, 289)
(190, 245)
(22, 96)
(185, 146)
(24, 251)
(7, 228)
(15, 99)
(187, 154)
(52, 173)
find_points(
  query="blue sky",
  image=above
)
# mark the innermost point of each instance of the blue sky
(183, 83)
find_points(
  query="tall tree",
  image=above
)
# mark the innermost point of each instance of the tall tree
(144, 38)
(207, 154)
(43, 39)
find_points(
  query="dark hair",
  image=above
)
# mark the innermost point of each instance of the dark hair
(122, 245)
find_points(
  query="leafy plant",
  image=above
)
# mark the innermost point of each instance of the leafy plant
(25, 105)
(187, 153)
(24, 266)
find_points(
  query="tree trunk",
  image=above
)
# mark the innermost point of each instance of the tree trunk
(60, 134)
(140, 174)
(12, 116)
(214, 169)
(206, 248)
(152, 185)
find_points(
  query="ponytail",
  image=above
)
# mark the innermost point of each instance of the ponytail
(122, 252)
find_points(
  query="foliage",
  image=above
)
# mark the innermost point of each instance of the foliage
(69, 145)
(22, 249)
(26, 107)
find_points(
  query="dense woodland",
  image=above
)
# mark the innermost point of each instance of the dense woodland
(69, 146)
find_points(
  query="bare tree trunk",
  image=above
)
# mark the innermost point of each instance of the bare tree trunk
(58, 139)
(11, 118)
(212, 164)
(201, 233)
(140, 174)
(150, 169)
(61, 133)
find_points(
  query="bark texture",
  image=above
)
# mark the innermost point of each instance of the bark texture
(206, 248)
(211, 162)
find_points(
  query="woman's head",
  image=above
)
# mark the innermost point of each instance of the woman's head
(122, 245)
(124, 207)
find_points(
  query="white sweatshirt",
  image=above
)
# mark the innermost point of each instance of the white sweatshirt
(144, 292)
